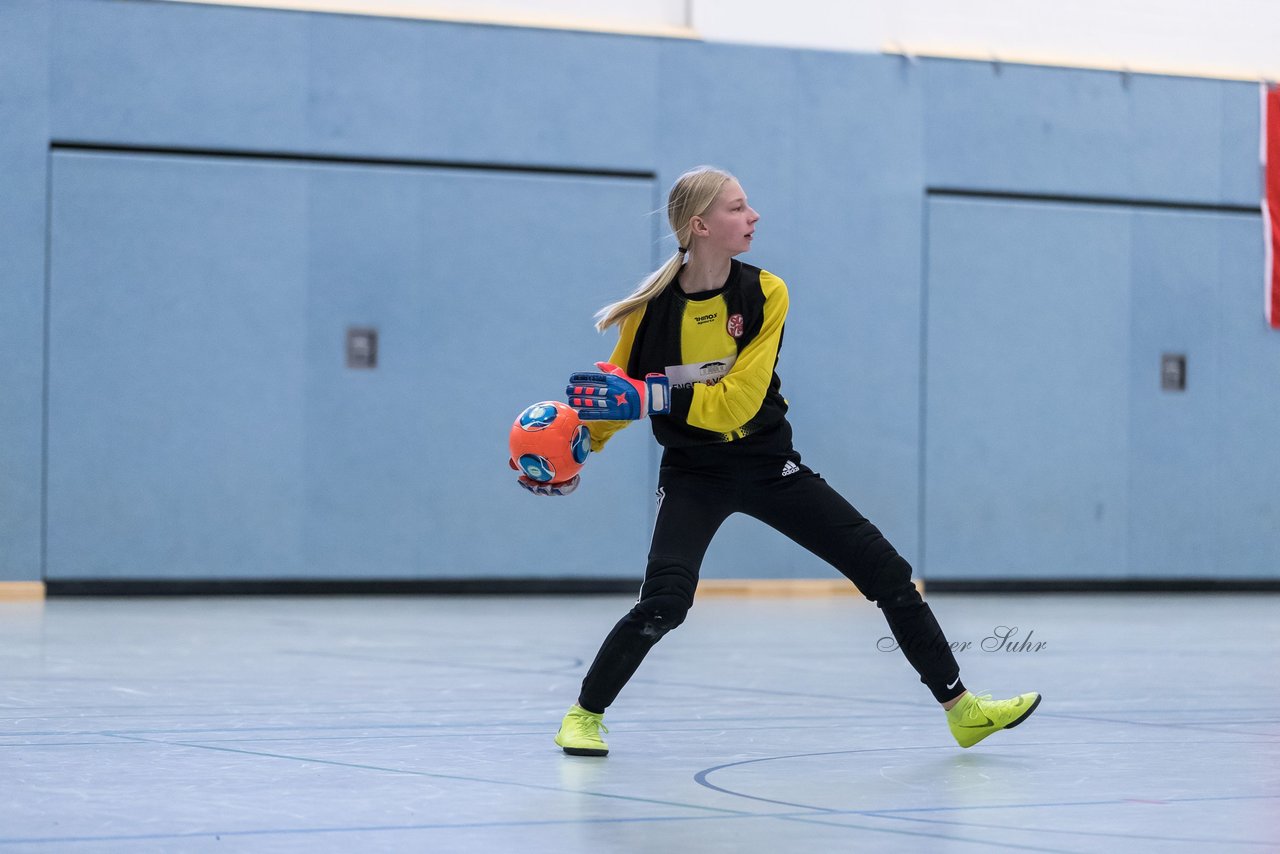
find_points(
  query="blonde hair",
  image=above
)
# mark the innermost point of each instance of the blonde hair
(691, 195)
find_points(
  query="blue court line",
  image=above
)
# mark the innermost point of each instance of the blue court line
(541, 732)
(455, 665)
(535, 731)
(1271, 844)
(987, 844)
(719, 812)
(914, 704)
(374, 828)
(1041, 715)
(701, 779)
(410, 772)
(739, 689)
(905, 704)
(1110, 802)
(297, 707)
(408, 730)
(711, 723)
(646, 725)
(723, 812)
(308, 831)
(812, 819)
(661, 682)
(62, 744)
(1199, 727)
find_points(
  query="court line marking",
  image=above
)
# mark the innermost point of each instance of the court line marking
(701, 779)
(493, 824)
(719, 812)
(1108, 834)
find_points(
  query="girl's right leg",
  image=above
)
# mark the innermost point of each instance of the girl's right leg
(691, 507)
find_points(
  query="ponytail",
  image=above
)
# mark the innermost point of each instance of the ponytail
(653, 285)
(691, 195)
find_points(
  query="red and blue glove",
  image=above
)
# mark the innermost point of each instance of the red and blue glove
(611, 395)
(550, 488)
(537, 488)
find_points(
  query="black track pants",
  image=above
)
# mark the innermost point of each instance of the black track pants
(762, 476)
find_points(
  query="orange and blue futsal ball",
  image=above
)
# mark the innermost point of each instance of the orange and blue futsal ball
(548, 443)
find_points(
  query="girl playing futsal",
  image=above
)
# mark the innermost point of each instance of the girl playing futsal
(697, 349)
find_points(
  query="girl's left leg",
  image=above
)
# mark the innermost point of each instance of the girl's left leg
(804, 507)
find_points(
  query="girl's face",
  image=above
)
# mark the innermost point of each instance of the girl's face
(728, 225)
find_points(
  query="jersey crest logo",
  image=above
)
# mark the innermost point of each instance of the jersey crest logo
(734, 325)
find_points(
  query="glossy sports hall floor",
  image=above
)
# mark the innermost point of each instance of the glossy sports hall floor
(425, 724)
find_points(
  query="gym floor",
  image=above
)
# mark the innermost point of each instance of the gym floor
(269, 724)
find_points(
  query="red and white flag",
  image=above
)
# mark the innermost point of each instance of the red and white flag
(1271, 196)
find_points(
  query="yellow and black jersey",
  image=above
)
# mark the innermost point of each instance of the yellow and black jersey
(719, 350)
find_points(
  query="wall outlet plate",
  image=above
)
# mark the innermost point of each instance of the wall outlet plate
(362, 347)
(1173, 372)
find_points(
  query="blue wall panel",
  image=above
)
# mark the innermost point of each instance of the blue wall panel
(177, 75)
(1017, 128)
(1173, 455)
(483, 298)
(828, 148)
(1052, 448)
(24, 133)
(1239, 123)
(1247, 516)
(1026, 390)
(177, 367)
(1058, 131)
(486, 94)
(204, 422)
(1171, 155)
(166, 74)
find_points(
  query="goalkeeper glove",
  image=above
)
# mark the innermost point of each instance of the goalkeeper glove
(563, 488)
(550, 488)
(611, 395)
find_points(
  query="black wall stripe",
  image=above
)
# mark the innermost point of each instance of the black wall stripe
(346, 160)
(1106, 201)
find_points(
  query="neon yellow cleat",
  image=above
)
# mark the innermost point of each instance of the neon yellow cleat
(579, 733)
(974, 718)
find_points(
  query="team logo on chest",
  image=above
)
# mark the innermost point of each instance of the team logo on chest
(734, 325)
